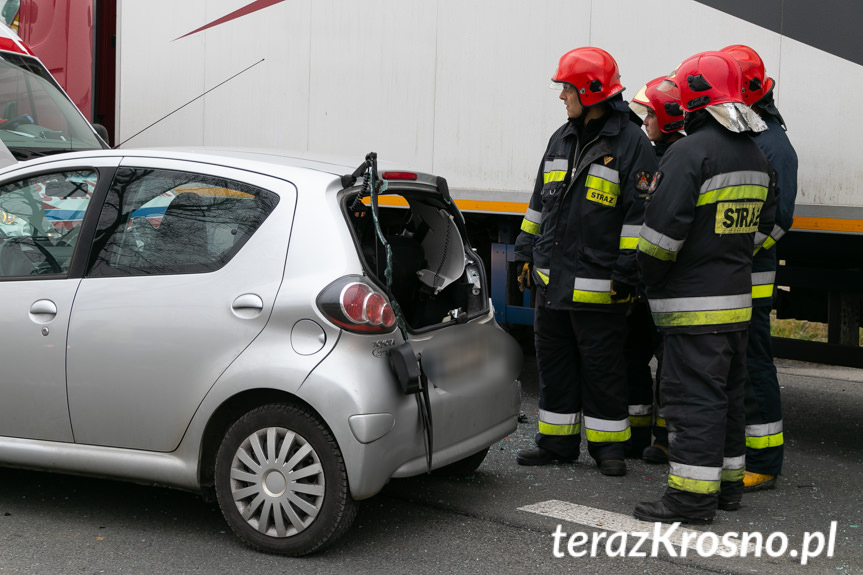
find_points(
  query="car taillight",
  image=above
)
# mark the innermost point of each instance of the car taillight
(355, 305)
(399, 176)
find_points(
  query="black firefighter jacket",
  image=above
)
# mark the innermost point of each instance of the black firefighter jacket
(581, 227)
(783, 159)
(712, 192)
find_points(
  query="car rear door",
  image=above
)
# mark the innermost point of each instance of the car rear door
(185, 267)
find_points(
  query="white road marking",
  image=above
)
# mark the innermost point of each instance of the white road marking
(609, 521)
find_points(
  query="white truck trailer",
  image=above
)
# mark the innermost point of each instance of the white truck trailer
(460, 88)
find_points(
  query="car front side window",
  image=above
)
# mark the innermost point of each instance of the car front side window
(40, 218)
(157, 222)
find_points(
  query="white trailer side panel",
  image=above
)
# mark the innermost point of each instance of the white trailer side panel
(447, 86)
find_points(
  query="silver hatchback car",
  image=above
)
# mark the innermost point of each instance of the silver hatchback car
(285, 334)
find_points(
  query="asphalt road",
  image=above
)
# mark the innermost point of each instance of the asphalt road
(489, 522)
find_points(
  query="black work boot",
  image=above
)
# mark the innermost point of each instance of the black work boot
(612, 467)
(655, 453)
(540, 456)
(658, 512)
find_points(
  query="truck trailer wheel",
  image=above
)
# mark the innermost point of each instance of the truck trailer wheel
(281, 481)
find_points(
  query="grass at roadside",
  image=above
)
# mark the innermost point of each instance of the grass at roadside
(797, 329)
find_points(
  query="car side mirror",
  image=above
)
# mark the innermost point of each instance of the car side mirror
(102, 132)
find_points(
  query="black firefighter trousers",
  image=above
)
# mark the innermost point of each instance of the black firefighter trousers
(582, 369)
(765, 450)
(703, 379)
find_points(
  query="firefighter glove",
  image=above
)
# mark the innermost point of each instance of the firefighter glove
(523, 275)
(621, 292)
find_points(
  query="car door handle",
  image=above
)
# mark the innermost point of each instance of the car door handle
(247, 306)
(43, 311)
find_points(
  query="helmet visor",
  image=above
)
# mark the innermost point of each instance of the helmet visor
(639, 108)
(667, 87)
(641, 96)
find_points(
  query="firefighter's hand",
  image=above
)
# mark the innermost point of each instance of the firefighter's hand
(621, 292)
(523, 275)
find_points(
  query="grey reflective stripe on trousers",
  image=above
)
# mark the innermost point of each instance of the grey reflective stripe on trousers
(764, 429)
(696, 472)
(734, 462)
(640, 409)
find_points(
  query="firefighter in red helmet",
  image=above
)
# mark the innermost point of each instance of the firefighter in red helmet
(658, 102)
(764, 433)
(711, 196)
(577, 245)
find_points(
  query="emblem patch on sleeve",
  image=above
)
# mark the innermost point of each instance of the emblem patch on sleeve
(643, 181)
(655, 182)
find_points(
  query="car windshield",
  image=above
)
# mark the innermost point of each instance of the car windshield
(36, 117)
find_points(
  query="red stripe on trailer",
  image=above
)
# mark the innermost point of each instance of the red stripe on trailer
(244, 11)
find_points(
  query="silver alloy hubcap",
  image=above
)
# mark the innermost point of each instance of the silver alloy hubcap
(277, 482)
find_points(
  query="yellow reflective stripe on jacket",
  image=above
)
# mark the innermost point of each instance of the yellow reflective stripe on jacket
(658, 245)
(660, 421)
(732, 193)
(733, 468)
(543, 274)
(629, 237)
(694, 478)
(603, 185)
(587, 290)
(764, 435)
(762, 284)
(742, 185)
(606, 430)
(640, 415)
(710, 310)
(531, 221)
(529, 227)
(551, 423)
(554, 170)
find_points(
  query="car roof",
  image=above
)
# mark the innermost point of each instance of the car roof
(278, 163)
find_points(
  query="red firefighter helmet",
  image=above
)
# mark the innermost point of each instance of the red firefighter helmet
(592, 72)
(662, 97)
(756, 84)
(708, 78)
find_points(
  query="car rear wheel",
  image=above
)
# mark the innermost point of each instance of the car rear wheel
(281, 481)
(464, 466)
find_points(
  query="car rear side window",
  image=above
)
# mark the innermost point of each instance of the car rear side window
(157, 222)
(40, 218)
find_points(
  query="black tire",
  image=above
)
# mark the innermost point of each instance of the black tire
(262, 505)
(464, 466)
